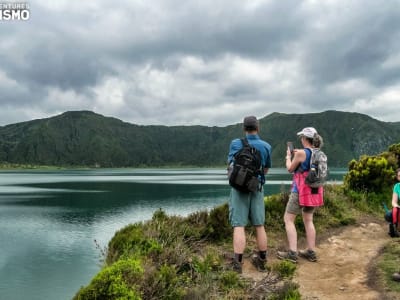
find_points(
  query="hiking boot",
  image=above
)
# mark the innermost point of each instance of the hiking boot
(259, 263)
(236, 266)
(393, 230)
(396, 276)
(288, 255)
(308, 254)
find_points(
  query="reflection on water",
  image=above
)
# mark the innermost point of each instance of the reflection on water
(50, 219)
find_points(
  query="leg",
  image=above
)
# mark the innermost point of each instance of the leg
(261, 237)
(259, 260)
(310, 229)
(392, 217)
(291, 232)
(238, 217)
(292, 210)
(257, 218)
(239, 240)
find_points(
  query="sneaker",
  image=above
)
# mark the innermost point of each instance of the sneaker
(288, 255)
(236, 266)
(259, 263)
(308, 254)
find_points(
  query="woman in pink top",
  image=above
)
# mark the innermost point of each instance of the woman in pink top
(303, 199)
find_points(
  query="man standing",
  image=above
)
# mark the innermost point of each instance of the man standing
(249, 205)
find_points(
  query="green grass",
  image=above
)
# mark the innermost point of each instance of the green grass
(387, 264)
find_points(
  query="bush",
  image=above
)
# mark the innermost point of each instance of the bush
(219, 228)
(131, 240)
(284, 268)
(374, 173)
(274, 211)
(289, 291)
(114, 282)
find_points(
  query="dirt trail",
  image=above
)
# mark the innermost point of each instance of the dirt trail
(342, 269)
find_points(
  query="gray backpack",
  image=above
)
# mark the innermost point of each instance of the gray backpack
(318, 173)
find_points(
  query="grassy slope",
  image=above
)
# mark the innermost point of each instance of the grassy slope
(151, 261)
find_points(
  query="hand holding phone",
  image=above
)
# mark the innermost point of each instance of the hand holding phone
(290, 147)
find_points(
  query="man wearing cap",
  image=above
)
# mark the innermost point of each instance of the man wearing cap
(298, 165)
(244, 206)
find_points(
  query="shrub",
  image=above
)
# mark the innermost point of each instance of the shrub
(284, 268)
(114, 282)
(229, 280)
(219, 228)
(289, 291)
(131, 240)
(274, 211)
(373, 173)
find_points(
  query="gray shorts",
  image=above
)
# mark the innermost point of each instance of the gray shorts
(294, 208)
(246, 206)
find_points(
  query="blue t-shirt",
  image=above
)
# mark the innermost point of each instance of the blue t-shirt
(255, 141)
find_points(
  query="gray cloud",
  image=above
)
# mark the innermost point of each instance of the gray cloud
(189, 62)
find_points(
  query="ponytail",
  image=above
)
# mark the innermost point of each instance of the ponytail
(317, 141)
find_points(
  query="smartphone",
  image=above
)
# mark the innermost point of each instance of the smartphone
(290, 146)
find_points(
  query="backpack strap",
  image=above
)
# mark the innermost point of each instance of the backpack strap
(245, 142)
(300, 168)
(311, 162)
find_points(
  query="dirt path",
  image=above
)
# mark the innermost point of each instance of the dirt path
(342, 269)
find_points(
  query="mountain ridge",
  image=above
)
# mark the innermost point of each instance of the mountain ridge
(86, 138)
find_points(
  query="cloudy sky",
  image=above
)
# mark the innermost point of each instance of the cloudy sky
(202, 62)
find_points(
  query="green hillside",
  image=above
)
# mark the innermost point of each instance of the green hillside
(84, 138)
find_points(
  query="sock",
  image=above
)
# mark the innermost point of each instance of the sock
(238, 257)
(262, 254)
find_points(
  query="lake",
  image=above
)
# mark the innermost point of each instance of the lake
(50, 219)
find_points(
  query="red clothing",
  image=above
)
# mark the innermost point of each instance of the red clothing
(395, 215)
(308, 196)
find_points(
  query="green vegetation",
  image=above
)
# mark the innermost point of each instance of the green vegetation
(368, 183)
(374, 174)
(179, 258)
(387, 264)
(171, 257)
(83, 138)
(13, 166)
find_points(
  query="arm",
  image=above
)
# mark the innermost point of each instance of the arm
(298, 158)
(234, 147)
(395, 200)
(268, 163)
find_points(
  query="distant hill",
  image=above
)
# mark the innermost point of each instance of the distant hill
(84, 138)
